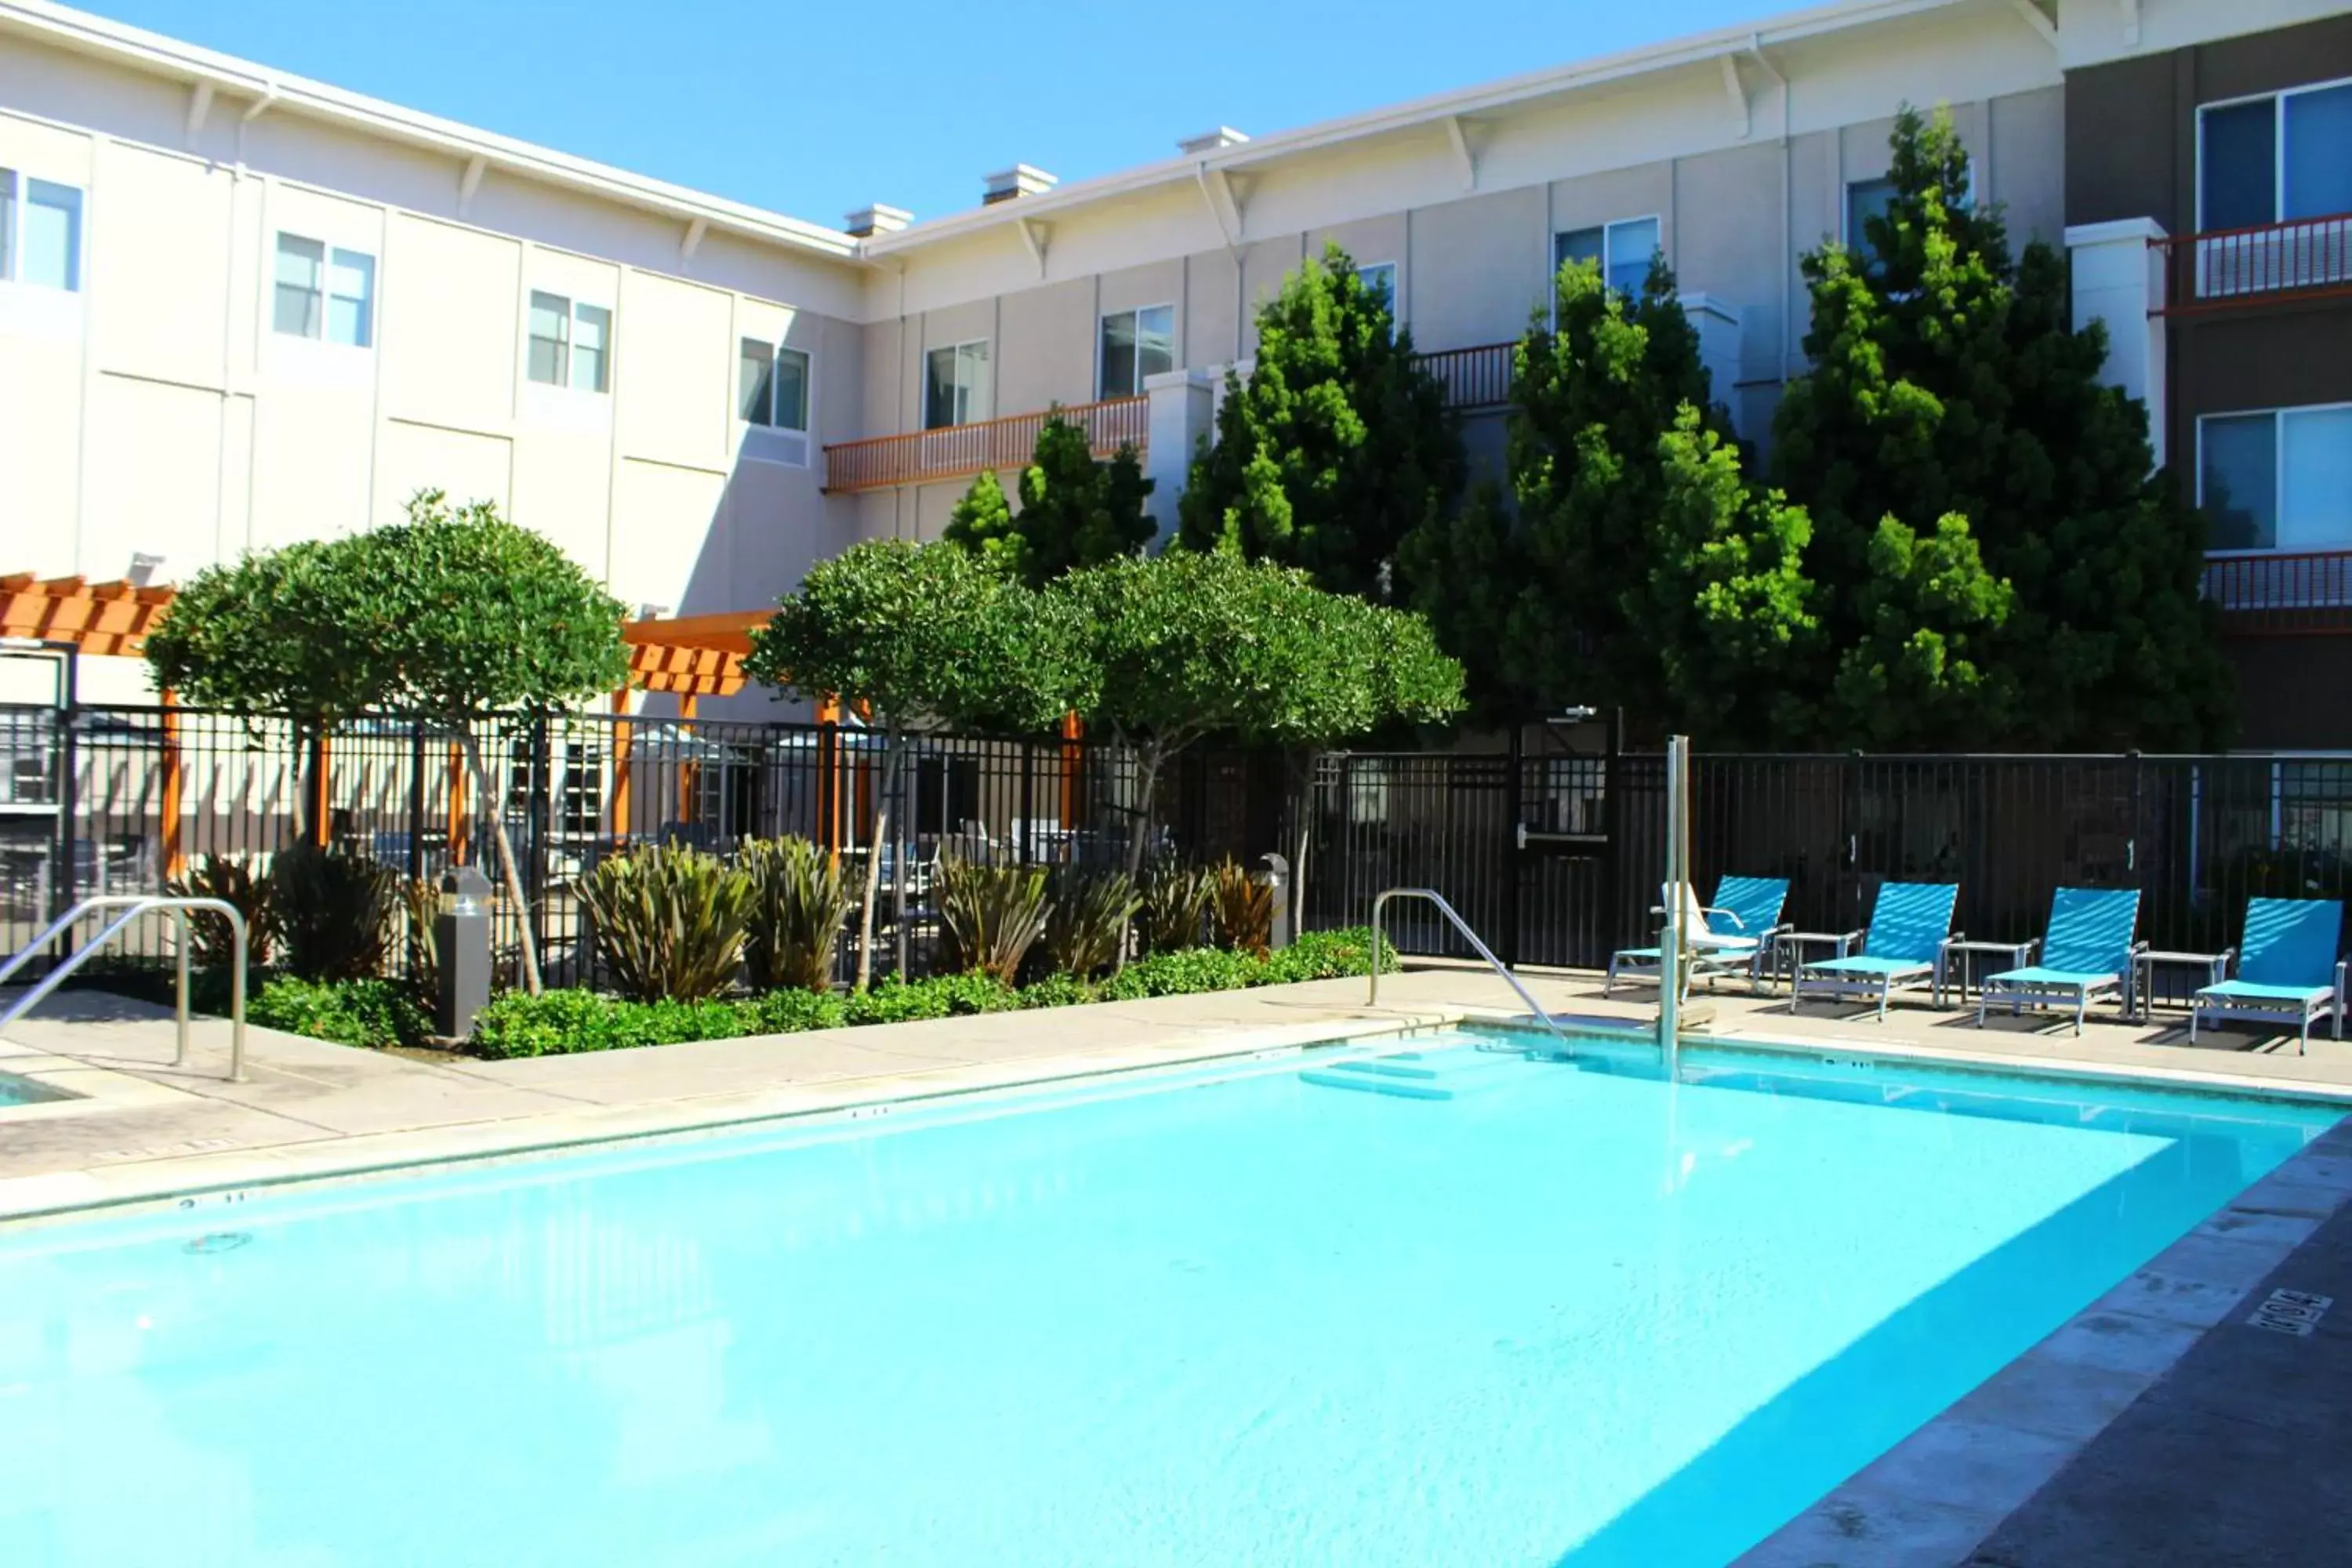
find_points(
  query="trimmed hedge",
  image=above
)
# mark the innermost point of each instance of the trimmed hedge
(562, 1022)
(372, 1012)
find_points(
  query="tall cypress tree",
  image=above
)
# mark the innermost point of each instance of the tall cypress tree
(1336, 446)
(1952, 398)
(1074, 511)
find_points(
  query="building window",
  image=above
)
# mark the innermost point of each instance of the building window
(2275, 160)
(582, 800)
(1137, 344)
(1380, 278)
(571, 343)
(956, 388)
(1864, 200)
(40, 232)
(2280, 479)
(324, 293)
(772, 385)
(1622, 251)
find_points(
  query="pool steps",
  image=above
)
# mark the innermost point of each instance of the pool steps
(1407, 1075)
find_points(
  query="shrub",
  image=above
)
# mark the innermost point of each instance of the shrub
(1086, 920)
(373, 1013)
(333, 913)
(670, 922)
(1056, 991)
(790, 1011)
(799, 904)
(1182, 974)
(989, 915)
(1325, 955)
(557, 1023)
(1175, 906)
(234, 881)
(670, 1022)
(897, 1001)
(1241, 907)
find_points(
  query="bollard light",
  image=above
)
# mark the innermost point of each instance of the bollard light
(1279, 879)
(461, 945)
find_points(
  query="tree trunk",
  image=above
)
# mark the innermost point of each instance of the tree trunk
(874, 861)
(495, 803)
(1149, 759)
(1302, 796)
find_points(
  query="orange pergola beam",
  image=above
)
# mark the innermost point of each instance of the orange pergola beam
(95, 617)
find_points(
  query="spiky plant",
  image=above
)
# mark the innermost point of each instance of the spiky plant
(333, 913)
(669, 921)
(989, 915)
(421, 902)
(1240, 907)
(800, 904)
(1175, 904)
(1085, 923)
(234, 881)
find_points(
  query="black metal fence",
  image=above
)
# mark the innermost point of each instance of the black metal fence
(1558, 858)
(128, 796)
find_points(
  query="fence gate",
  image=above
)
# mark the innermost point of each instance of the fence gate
(1568, 827)
(38, 847)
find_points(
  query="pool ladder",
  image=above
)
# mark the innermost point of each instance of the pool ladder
(132, 906)
(1431, 895)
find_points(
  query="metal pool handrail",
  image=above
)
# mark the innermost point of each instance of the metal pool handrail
(1380, 943)
(132, 906)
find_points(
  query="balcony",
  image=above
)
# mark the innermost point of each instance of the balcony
(2274, 592)
(2224, 267)
(959, 451)
(1472, 378)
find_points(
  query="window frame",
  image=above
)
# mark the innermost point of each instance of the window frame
(777, 349)
(931, 352)
(2277, 99)
(2277, 414)
(330, 256)
(16, 209)
(1102, 322)
(1609, 226)
(568, 345)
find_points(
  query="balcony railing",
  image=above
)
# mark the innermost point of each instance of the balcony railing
(959, 451)
(2227, 267)
(2283, 592)
(1472, 378)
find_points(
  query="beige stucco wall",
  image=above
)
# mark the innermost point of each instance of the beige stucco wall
(156, 411)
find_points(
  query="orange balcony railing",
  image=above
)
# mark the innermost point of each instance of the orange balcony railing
(2282, 592)
(959, 451)
(1472, 378)
(2226, 267)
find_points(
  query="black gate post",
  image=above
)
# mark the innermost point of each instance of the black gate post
(1027, 836)
(1612, 824)
(416, 801)
(1515, 892)
(65, 886)
(536, 825)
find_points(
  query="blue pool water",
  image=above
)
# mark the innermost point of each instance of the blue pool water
(14, 1090)
(1508, 1311)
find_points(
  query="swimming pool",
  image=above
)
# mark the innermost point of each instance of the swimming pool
(1480, 1310)
(16, 1090)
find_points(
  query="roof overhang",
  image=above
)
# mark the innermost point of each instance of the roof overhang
(264, 90)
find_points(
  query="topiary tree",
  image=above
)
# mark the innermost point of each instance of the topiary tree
(475, 616)
(282, 633)
(1074, 511)
(915, 635)
(1336, 445)
(1949, 391)
(1183, 645)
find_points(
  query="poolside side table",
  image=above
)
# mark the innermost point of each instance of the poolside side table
(1789, 950)
(2143, 964)
(1957, 952)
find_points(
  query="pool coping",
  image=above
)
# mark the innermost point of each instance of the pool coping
(229, 1177)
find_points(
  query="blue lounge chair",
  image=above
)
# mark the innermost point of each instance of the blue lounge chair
(1902, 949)
(2288, 971)
(1731, 936)
(2087, 954)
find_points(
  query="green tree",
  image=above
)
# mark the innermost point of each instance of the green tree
(478, 616)
(1336, 445)
(1948, 389)
(914, 636)
(279, 634)
(1184, 646)
(1074, 511)
(1637, 566)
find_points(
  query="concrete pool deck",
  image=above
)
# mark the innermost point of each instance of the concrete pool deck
(2026, 1467)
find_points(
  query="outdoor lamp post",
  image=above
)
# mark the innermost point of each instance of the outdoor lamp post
(1278, 878)
(461, 942)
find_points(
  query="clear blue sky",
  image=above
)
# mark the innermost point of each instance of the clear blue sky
(815, 108)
